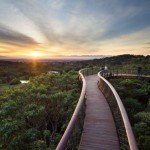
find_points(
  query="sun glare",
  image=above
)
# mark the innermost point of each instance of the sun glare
(35, 54)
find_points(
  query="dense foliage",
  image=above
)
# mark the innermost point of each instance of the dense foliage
(25, 69)
(34, 115)
(135, 94)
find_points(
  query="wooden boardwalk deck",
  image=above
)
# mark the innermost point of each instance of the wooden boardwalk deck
(99, 132)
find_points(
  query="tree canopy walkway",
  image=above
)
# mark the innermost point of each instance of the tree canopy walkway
(99, 131)
(99, 115)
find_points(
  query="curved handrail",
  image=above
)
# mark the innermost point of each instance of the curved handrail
(144, 72)
(132, 75)
(127, 125)
(65, 138)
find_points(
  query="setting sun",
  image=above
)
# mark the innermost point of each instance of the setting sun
(35, 54)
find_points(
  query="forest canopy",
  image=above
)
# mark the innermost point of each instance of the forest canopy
(35, 115)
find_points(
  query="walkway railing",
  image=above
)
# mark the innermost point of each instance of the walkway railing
(127, 72)
(72, 134)
(123, 126)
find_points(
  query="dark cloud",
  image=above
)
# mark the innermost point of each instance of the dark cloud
(12, 37)
(124, 19)
(147, 43)
(81, 26)
(37, 15)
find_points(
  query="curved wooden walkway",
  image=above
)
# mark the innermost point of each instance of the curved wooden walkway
(99, 131)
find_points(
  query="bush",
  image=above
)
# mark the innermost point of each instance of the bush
(37, 114)
(132, 107)
(14, 81)
(141, 95)
(130, 83)
(143, 117)
(135, 96)
(142, 129)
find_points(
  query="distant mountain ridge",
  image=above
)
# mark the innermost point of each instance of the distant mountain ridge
(59, 57)
(95, 58)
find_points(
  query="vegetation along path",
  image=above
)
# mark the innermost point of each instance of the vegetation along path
(99, 131)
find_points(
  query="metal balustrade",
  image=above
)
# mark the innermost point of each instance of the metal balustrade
(127, 72)
(72, 134)
(123, 126)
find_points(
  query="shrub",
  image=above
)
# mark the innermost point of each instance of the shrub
(143, 117)
(130, 83)
(142, 129)
(37, 114)
(132, 106)
(135, 96)
(14, 81)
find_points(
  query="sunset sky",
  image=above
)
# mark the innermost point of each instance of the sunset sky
(49, 28)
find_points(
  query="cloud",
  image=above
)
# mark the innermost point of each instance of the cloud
(82, 27)
(133, 43)
(147, 47)
(147, 43)
(12, 37)
(57, 4)
(81, 22)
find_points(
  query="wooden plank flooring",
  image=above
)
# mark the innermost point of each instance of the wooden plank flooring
(99, 132)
